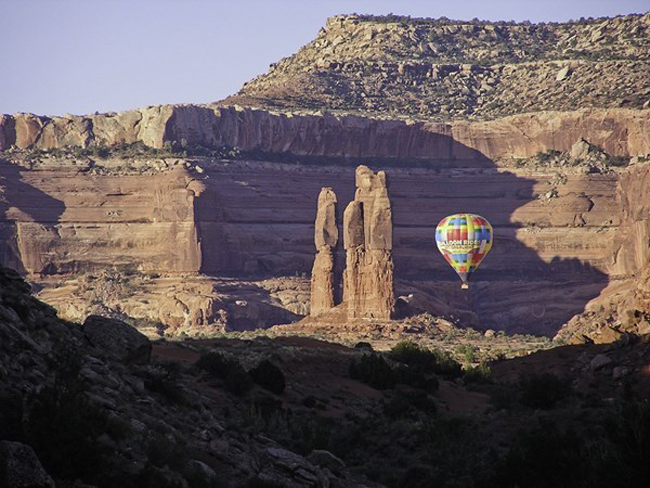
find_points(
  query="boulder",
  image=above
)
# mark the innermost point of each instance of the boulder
(563, 74)
(198, 473)
(117, 339)
(326, 459)
(599, 362)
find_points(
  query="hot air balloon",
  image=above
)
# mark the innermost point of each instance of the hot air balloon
(464, 239)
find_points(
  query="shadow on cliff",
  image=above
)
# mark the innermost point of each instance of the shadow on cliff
(514, 289)
(20, 201)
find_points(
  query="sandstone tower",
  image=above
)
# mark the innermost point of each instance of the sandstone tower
(326, 236)
(368, 240)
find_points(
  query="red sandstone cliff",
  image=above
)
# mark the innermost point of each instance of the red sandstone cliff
(619, 132)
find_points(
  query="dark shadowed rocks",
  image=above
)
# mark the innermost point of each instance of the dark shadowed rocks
(21, 468)
(118, 339)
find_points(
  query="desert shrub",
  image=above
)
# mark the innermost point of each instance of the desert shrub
(424, 359)
(467, 352)
(544, 456)
(373, 370)
(235, 377)
(238, 381)
(543, 391)
(309, 401)
(268, 376)
(408, 402)
(478, 374)
(214, 363)
(416, 378)
(11, 415)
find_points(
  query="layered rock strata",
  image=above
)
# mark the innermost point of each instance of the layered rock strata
(368, 240)
(624, 306)
(617, 131)
(326, 236)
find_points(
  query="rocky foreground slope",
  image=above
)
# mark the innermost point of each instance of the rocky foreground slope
(444, 69)
(97, 405)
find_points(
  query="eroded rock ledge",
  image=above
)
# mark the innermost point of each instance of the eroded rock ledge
(619, 132)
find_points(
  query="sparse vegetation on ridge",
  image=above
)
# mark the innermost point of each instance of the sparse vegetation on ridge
(448, 69)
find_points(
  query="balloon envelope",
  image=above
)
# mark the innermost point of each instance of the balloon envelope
(464, 239)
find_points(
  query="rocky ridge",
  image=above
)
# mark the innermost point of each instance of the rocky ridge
(443, 69)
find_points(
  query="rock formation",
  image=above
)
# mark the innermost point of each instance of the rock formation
(496, 104)
(325, 237)
(451, 69)
(337, 136)
(368, 241)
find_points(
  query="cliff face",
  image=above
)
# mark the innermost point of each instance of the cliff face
(624, 306)
(619, 132)
(562, 233)
(57, 220)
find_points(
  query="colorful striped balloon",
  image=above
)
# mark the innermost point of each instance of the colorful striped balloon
(464, 240)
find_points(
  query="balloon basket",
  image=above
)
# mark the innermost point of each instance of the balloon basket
(464, 286)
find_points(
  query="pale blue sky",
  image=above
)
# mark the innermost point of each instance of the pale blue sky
(81, 56)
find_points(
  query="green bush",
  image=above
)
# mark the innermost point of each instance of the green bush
(478, 374)
(408, 402)
(373, 370)
(424, 359)
(235, 377)
(238, 381)
(164, 379)
(417, 378)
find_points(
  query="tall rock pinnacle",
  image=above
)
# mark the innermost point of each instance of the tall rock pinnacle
(368, 240)
(325, 237)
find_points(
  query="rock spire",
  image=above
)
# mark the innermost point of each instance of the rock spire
(326, 236)
(368, 241)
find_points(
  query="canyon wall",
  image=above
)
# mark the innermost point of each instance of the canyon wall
(255, 217)
(562, 233)
(619, 132)
(58, 220)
